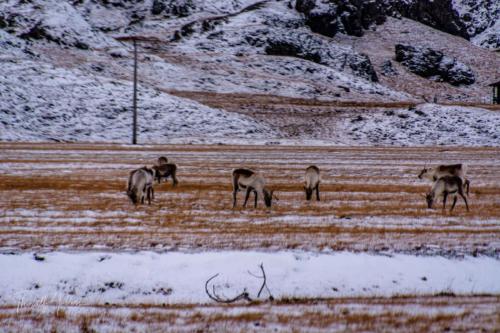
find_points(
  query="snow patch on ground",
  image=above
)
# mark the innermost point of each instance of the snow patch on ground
(147, 277)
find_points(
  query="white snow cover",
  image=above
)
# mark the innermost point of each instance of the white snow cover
(80, 278)
(482, 19)
(60, 19)
(41, 102)
(427, 125)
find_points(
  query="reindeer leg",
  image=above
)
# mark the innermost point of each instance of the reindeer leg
(174, 179)
(234, 197)
(467, 183)
(317, 192)
(255, 195)
(445, 195)
(454, 202)
(247, 195)
(465, 200)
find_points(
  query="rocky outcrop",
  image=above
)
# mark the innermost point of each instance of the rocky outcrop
(434, 65)
(180, 8)
(388, 69)
(312, 48)
(354, 16)
(346, 16)
(440, 15)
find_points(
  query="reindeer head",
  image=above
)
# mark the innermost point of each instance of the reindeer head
(309, 192)
(268, 197)
(162, 160)
(430, 199)
(133, 196)
(423, 172)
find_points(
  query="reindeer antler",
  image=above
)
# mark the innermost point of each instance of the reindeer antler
(244, 295)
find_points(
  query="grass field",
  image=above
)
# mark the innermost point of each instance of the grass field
(71, 197)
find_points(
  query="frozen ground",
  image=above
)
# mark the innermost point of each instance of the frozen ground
(155, 278)
(427, 124)
(77, 256)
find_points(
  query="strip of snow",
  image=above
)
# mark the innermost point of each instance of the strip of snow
(148, 277)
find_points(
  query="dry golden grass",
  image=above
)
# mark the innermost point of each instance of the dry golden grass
(52, 196)
(410, 313)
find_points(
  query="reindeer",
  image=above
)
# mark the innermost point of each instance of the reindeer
(433, 174)
(312, 182)
(140, 185)
(445, 186)
(252, 182)
(164, 171)
(161, 160)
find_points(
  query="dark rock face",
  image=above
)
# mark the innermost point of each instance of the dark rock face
(179, 8)
(362, 66)
(288, 48)
(354, 16)
(492, 41)
(348, 16)
(437, 14)
(312, 48)
(388, 69)
(434, 64)
(158, 7)
(37, 32)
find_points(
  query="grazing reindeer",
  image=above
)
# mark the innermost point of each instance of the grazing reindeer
(433, 174)
(164, 171)
(312, 182)
(161, 160)
(444, 186)
(140, 185)
(252, 182)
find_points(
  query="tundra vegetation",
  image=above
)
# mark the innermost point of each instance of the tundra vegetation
(72, 196)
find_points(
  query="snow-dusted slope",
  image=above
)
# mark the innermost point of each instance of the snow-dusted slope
(482, 19)
(66, 77)
(427, 125)
(41, 102)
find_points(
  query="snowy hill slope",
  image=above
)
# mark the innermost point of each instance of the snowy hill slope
(66, 77)
(42, 102)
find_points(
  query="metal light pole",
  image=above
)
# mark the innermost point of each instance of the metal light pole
(134, 102)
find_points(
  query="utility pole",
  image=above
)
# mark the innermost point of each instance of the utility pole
(134, 40)
(134, 102)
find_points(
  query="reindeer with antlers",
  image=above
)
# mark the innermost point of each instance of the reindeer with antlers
(252, 182)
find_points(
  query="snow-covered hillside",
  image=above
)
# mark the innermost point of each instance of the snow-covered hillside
(482, 19)
(49, 103)
(66, 77)
(427, 124)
